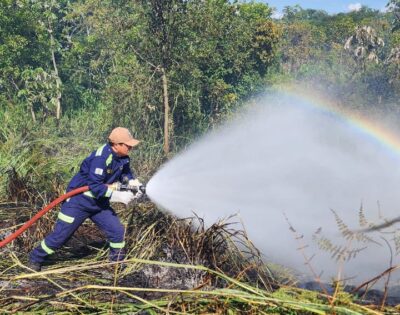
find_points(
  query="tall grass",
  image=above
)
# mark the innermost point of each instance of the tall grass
(44, 156)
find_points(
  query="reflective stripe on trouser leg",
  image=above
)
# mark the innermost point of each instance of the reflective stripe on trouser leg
(65, 218)
(117, 245)
(68, 221)
(47, 249)
(39, 254)
(108, 222)
(117, 251)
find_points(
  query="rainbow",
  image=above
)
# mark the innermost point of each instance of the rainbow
(372, 129)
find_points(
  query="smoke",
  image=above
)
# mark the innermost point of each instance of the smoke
(283, 157)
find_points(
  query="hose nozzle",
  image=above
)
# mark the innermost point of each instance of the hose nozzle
(134, 189)
(142, 188)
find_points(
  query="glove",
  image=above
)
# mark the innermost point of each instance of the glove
(135, 184)
(122, 196)
(115, 186)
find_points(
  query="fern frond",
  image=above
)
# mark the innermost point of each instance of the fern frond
(338, 252)
(396, 240)
(354, 235)
(361, 217)
(343, 228)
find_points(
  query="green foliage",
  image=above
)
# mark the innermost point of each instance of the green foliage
(46, 155)
(104, 60)
(318, 40)
(364, 45)
(394, 7)
(340, 28)
(39, 92)
(21, 44)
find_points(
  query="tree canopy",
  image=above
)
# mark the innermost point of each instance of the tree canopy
(171, 70)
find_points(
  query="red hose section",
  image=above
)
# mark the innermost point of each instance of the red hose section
(38, 215)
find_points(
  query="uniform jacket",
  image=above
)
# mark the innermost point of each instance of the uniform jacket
(100, 168)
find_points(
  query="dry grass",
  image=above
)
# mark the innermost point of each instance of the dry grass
(172, 267)
(163, 252)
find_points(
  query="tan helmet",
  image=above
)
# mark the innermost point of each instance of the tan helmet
(122, 135)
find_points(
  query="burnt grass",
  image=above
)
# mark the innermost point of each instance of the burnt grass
(151, 234)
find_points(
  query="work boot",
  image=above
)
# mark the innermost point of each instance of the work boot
(35, 266)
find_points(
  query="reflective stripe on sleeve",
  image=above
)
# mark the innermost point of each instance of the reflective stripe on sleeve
(117, 245)
(48, 250)
(89, 194)
(100, 150)
(65, 218)
(108, 193)
(109, 160)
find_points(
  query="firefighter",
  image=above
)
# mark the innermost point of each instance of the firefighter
(102, 170)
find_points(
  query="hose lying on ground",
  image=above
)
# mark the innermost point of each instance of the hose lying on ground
(38, 215)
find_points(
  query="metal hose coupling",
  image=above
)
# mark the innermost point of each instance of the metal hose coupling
(133, 189)
(142, 188)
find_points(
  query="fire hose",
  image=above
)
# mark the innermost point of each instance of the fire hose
(50, 206)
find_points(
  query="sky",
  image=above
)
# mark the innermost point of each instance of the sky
(331, 6)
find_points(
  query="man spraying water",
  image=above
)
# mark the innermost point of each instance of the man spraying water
(102, 171)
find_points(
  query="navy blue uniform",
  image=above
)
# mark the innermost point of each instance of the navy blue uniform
(100, 168)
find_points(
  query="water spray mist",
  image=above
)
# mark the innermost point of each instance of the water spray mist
(285, 156)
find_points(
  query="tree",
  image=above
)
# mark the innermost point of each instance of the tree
(213, 53)
(232, 45)
(265, 33)
(394, 7)
(393, 61)
(339, 28)
(364, 45)
(167, 70)
(292, 13)
(29, 32)
(40, 92)
(302, 43)
(164, 19)
(22, 45)
(364, 16)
